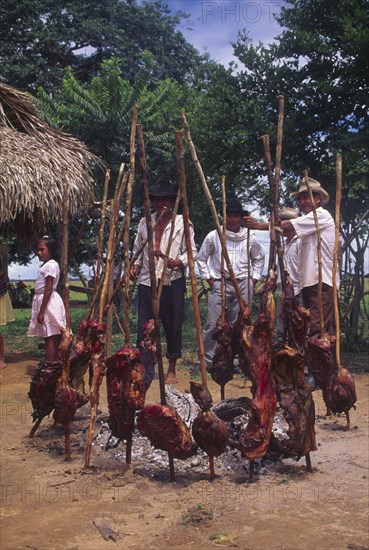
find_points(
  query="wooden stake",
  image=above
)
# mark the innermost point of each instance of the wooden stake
(191, 266)
(222, 270)
(335, 258)
(100, 241)
(319, 251)
(191, 263)
(155, 302)
(275, 237)
(65, 356)
(127, 223)
(213, 211)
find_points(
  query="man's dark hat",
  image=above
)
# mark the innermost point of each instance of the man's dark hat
(163, 190)
(234, 205)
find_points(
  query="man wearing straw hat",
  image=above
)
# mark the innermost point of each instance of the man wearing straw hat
(305, 228)
(209, 262)
(172, 299)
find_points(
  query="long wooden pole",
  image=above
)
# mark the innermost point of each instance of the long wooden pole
(68, 340)
(213, 211)
(191, 263)
(275, 238)
(127, 223)
(319, 251)
(155, 301)
(99, 243)
(335, 258)
(222, 270)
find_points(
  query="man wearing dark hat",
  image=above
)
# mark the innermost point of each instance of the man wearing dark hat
(304, 227)
(173, 295)
(209, 263)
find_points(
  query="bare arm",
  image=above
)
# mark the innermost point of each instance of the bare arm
(251, 223)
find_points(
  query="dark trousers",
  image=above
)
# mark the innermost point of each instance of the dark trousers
(310, 301)
(171, 313)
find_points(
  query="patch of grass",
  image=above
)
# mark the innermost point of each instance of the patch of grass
(197, 515)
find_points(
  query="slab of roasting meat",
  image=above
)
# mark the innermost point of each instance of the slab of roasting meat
(256, 360)
(67, 399)
(209, 431)
(294, 396)
(97, 360)
(166, 430)
(42, 388)
(201, 395)
(296, 401)
(321, 361)
(80, 356)
(296, 319)
(125, 379)
(342, 392)
(148, 342)
(221, 370)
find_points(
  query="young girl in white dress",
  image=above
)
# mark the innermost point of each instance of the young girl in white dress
(48, 311)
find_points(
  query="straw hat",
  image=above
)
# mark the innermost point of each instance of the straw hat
(315, 188)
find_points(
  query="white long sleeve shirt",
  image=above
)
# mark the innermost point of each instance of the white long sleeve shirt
(178, 251)
(306, 231)
(210, 255)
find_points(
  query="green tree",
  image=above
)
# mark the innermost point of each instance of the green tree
(100, 114)
(39, 39)
(320, 63)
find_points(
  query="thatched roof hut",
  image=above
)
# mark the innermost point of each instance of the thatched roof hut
(34, 160)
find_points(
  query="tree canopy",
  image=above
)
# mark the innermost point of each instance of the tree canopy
(39, 39)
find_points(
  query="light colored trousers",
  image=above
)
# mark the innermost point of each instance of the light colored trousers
(215, 309)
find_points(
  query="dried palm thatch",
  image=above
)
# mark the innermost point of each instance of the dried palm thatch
(35, 159)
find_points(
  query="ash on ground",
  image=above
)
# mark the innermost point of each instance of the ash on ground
(150, 461)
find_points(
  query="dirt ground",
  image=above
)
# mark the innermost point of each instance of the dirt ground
(48, 503)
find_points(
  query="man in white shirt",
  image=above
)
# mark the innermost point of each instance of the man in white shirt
(305, 228)
(209, 264)
(172, 300)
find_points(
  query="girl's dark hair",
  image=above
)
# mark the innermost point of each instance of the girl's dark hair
(52, 246)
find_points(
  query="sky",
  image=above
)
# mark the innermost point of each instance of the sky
(214, 24)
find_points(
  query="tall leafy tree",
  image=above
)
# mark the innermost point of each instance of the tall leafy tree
(40, 38)
(320, 63)
(100, 113)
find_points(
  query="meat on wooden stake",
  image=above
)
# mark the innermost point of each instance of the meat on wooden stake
(80, 356)
(166, 430)
(42, 388)
(67, 399)
(221, 370)
(337, 385)
(125, 379)
(294, 396)
(209, 431)
(342, 392)
(296, 318)
(296, 401)
(256, 358)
